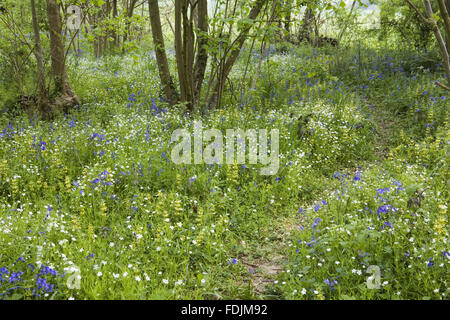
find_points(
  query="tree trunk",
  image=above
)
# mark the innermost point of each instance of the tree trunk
(94, 19)
(191, 76)
(447, 6)
(42, 99)
(179, 50)
(114, 33)
(188, 54)
(444, 15)
(443, 46)
(161, 58)
(195, 8)
(216, 95)
(287, 22)
(106, 15)
(202, 55)
(306, 30)
(66, 98)
(129, 13)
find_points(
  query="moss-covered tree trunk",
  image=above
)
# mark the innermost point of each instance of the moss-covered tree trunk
(65, 98)
(163, 67)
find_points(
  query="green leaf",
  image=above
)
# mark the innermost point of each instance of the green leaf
(411, 189)
(16, 296)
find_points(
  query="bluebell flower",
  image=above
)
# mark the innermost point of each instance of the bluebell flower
(15, 276)
(132, 97)
(385, 209)
(42, 145)
(90, 256)
(234, 261)
(44, 270)
(381, 191)
(330, 284)
(312, 242)
(316, 223)
(42, 284)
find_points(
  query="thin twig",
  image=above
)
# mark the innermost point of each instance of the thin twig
(442, 85)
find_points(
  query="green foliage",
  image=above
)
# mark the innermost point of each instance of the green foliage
(98, 184)
(363, 179)
(400, 23)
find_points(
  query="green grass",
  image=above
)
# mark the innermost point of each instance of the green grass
(96, 189)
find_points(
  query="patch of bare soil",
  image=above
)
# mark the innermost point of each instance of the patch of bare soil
(264, 272)
(385, 125)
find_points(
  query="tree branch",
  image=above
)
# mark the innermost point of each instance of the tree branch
(424, 19)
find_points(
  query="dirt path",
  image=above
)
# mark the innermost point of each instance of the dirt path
(386, 123)
(267, 266)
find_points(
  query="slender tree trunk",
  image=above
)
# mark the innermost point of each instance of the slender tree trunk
(161, 58)
(42, 101)
(202, 55)
(114, 33)
(129, 13)
(287, 23)
(216, 95)
(107, 29)
(179, 52)
(188, 54)
(440, 39)
(444, 15)
(447, 6)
